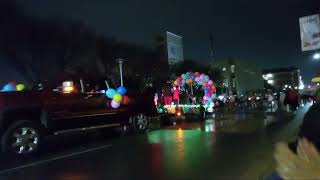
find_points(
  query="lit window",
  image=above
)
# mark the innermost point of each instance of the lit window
(67, 86)
(269, 76)
(270, 81)
(67, 83)
(232, 68)
(67, 89)
(265, 77)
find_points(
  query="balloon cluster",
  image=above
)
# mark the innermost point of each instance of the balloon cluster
(198, 79)
(117, 96)
(13, 86)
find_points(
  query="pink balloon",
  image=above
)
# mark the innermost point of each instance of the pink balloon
(203, 101)
(210, 82)
(115, 104)
(205, 98)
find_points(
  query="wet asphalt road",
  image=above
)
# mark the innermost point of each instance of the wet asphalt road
(229, 146)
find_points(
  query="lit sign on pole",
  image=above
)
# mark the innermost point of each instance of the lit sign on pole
(310, 32)
(174, 48)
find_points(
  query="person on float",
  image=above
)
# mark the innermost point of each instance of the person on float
(176, 95)
(167, 94)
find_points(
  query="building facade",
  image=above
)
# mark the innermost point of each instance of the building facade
(240, 77)
(281, 78)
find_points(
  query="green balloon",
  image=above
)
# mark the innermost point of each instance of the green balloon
(20, 87)
(117, 98)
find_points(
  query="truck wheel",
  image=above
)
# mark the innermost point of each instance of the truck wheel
(22, 137)
(140, 123)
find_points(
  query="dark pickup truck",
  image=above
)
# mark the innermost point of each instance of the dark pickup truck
(27, 117)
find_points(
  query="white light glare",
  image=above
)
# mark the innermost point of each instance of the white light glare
(270, 81)
(316, 56)
(269, 75)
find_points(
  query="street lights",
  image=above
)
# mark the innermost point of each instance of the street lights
(120, 61)
(316, 56)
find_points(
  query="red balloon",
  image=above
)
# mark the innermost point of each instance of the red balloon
(125, 100)
(179, 79)
(197, 74)
(214, 89)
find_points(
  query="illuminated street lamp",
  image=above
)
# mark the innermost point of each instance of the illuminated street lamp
(316, 56)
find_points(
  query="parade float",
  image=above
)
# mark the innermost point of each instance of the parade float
(196, 103)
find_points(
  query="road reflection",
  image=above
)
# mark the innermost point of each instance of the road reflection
(177, 149)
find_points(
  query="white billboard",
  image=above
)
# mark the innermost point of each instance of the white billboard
(310, 32)
(175, 48)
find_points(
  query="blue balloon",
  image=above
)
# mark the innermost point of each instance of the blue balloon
(121, 90)
(110, 93)
(9, 87)
(188, 74)
(192, 76)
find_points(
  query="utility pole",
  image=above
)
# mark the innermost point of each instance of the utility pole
(211, 46)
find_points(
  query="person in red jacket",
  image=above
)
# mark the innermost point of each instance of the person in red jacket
(167, 95)
(176, 95)
(293, 99)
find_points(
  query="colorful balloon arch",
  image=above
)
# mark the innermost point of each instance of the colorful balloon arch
(198, 79)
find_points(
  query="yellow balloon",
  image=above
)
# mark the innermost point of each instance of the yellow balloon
(20, 87)
(117, 98)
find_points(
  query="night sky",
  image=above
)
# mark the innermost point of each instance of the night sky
(265, 32)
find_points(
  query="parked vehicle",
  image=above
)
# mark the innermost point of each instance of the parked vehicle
(27, 117)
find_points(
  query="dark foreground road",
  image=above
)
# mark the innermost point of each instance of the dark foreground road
(232, 146)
